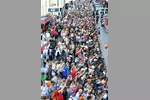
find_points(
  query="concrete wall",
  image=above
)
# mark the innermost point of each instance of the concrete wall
(44, 7)
(67, 1)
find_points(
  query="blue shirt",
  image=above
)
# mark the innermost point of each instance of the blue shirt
(65, 71)
(99, 30)
(44, 70)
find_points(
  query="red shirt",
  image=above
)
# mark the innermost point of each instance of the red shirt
(42, 48)
(56, 93)
(60, 97)
(105, 84)
(73, 74)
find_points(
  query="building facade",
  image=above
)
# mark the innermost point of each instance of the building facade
(51, 7)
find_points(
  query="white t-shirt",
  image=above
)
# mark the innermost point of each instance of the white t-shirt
(84, 95)
(59, 43)
(41, 55)
(77, 95)
(53, 73)
(45, 42)
(73, 98)
(47, 35)
(44, 91)
(67, 41)
(105, 96)
(83, 77)
(47, 66)
(76, 59)
(53, 65)
(42, 43)
(93, 97)
(61, 48)
(43, 36)
(45, 52)
(72, 46)
(58, 50)
(55, 79)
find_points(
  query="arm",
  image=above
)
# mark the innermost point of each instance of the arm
(63, 86)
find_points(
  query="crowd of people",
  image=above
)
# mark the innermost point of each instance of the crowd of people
(72, 67)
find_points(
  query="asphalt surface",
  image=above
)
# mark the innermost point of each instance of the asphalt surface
(103, 39)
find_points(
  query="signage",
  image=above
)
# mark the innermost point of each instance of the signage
(53, 9)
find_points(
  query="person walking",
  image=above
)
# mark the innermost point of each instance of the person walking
(99, 30)
(97, 19)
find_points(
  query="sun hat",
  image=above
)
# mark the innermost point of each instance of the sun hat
(106, 46)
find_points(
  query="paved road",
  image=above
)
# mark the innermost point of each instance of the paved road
(103, 39)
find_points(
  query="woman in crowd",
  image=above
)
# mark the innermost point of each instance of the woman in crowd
(72, 67)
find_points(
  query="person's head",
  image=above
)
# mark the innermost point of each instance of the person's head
(43, 84)
(44, 64)
(42, 74)
(89, 97)
(65, 89)
(43, 97)
(67, 64)
(47, 60)
(73, 94)
(93, 91)
(85, 91)
(52, 83)
(80, 91)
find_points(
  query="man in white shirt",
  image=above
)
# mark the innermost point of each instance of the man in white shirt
(44, 69)
(55, 79)
(76, 59)
(48, 35)
(57, 51)
(43, 36)
(44, 90)
(78, 93)
(105, 96)
(73, 96)
(85, 94)
(45, 52)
